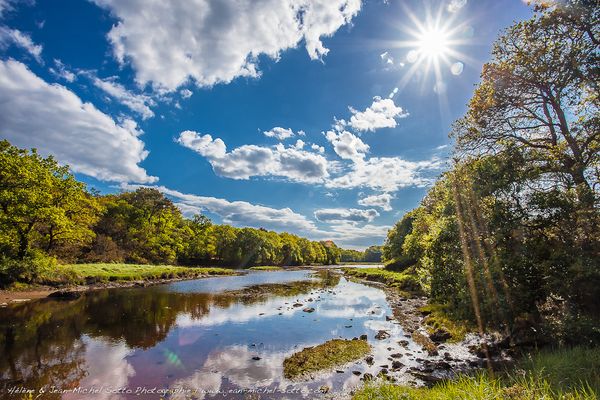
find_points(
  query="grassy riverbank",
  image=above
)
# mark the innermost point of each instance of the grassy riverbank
(266, 268)
(324, 356)
(405, 281)
(551, 375)
(87, 274)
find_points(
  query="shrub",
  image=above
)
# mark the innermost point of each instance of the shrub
(28, 270)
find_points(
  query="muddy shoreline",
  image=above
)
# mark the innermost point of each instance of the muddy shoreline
(8, 297)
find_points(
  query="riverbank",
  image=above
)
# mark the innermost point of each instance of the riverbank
(565, 374)
(480, 368)
(85, 277)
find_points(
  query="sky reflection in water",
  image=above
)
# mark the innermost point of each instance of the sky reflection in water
(200, 334)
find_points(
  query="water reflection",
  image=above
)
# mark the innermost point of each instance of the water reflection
(190, 335)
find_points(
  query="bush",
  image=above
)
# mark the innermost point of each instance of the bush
(28, 270)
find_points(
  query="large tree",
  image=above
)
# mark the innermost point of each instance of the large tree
(540, 95)
(40, 200)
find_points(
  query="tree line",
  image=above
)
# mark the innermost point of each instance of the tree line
(509, 237)
(47, 215)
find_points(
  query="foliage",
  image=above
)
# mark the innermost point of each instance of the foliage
(372, 254)
(566, 374)
(266, 268)
(41, 203)
(46, 214)
(509, 237)
(324, 356)
(34, 265)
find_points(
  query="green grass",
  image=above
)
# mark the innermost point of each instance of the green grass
(266, 268)
(405, 280)
(95, 273)
(324, 356)
(439, 318)
(550, 375)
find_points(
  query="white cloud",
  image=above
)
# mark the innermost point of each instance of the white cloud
(62, 71)
(54, 120)
(239, 213)
(299, 144)
(347, 146)
(139, 103)
(386, 174)
(186, 93)
(317, 148)
(456, 5)
(247, 161)
(15, 37)
(377, 200)
(345, 215)
(381, 114)
(345, 232)
(356, 236)
(280, 133)
(169, 42)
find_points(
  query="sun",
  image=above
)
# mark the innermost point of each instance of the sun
(433, 43)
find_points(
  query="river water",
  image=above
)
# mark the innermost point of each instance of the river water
(222, 337)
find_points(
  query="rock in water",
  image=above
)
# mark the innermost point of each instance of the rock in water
(382, 335)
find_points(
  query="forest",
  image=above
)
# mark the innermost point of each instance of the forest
(47, 216)
(508, 238)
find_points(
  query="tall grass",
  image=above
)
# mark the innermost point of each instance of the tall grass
(564, 374)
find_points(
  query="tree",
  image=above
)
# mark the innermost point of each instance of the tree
(41, 201)
(146, 225)
(540, 95)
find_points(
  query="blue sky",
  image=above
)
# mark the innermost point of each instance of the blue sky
(325, 118)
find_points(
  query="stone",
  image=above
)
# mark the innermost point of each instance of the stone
(388, 318)
(324, 389)
(382, 335)
(440, 336)
(396, 355)
(367, 377)
(309, 310)
(397, 365)
(363, 337)
(298, 305)
(357, 373)
(256, 358)
(369, 360)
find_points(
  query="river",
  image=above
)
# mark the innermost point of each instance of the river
(208, 338)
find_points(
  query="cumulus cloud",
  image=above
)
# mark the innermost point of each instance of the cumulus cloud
(54, 120)
(349, 215)
(238, 213)
(280, 133)
(317, 148)
(17, 38)
(387, 174)
(381, 114)
(139, 103)
(247, 161)
(347, 146)
(171, 42)
(377, 200)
